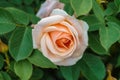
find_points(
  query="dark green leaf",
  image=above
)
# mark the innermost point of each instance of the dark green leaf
(23, 69)
(20, 43)
(28, 2)
(118, 61)
(6, 27)
(1, 61)
(5, 76)
(39, 60)
(92, 67)
(81, 7)
(70, 72)
(37, 74)
(95, 45)
(19, 16)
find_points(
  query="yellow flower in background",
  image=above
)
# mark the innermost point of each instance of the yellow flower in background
(3, 47)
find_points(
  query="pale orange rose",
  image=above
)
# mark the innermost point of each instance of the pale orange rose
(47, 7)
(61, 38)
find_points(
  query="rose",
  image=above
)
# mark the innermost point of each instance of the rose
(48, 6)
(61, 38)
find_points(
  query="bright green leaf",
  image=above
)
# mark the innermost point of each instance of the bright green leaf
(95, 44)
(23, 69)
(98, 11)
(109, 35)
(81, 7)
(20, 43)
(39, 60)
(19, 16)
(92, 67)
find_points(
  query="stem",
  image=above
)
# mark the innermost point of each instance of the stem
(7, 61)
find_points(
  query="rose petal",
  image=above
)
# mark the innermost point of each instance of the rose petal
(53, 50)
(54, 28)
(69, 61)
(50, 20)
(38, 29)
(33, 38)
(46, 52)
(59, 12)
(48, 6)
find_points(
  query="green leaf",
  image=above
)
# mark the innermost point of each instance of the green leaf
(98, 11)
(70, 72)
(111, 9)
(5, 16)
(93, 22)
(4, 76)
(20, 43)
(19, 16)
(17, 2)
(1, 61)
(118, 61)
(6, 4)
(23, 69)
(92, 67)
(34, 19)
(27, 2)
(6, 21)
(113, 19)
(95, 44)
(109, 35)
(67, 7)
(37, 74)
(81, 7)
(39, 60)
(117, 3)
(6, 27)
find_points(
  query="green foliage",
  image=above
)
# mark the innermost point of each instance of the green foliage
(106, 38)
(78, 6)
(92, 67)
(23, 69)
(4, 76)
(98, 11)
(24, 63)
(20, 43)
(1, 61)
(93, 42)
(39, 60)
(19, 16)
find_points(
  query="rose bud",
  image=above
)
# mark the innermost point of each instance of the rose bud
(61, 38)
(3, 47)
(48, 6)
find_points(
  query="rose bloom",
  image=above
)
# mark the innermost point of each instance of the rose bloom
(61, 38)
(47, 7)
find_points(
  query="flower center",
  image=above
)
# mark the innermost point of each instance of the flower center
(63, 43)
